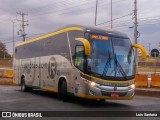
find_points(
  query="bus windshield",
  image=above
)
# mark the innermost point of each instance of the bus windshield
(111, 57)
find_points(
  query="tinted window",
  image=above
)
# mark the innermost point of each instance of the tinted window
(49, 46)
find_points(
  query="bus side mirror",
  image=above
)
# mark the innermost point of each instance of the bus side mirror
(87, 46)
(143, 50)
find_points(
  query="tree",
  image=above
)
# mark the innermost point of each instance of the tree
(3, 51)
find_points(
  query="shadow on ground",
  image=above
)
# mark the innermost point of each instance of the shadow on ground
(79, 101)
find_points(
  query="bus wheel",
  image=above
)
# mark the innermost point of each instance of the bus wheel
(64, 94)
(24, 88)
(23, 85)
(102, 100)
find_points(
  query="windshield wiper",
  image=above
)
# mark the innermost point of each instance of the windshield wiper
(120, 68)
(108, 63)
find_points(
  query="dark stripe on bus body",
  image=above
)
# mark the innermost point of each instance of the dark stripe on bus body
(49, 46)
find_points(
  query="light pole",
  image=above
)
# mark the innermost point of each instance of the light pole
(135, 27)
(96, 13)
(111, 15)
(13, 38)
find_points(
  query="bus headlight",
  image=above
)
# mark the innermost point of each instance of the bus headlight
(94, 84)
(132, 86)
(91, 83)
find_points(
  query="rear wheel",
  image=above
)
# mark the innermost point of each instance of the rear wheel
(24, 88)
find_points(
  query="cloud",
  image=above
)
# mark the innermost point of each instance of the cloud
(48, 15)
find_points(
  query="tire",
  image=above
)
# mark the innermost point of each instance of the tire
(102, 100)
(24, 88)
(23, 85)
(64, 94)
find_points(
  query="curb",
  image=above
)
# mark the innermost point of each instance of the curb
(148, 92)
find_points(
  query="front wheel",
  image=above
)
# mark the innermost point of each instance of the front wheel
(102, 100)
(64, 94)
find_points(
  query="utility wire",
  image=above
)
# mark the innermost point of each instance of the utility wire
(85, 9)
(66, 10)
(115, 19)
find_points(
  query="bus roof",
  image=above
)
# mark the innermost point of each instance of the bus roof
(97, 30)
(89, 29)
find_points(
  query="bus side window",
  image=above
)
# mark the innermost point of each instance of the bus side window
(79, 61)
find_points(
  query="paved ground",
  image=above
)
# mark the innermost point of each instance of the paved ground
(12, 99)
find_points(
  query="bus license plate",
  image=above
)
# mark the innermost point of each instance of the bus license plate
(114, 95)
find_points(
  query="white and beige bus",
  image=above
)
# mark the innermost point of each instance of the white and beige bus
(86, 62)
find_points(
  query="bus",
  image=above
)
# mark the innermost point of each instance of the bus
(81, 61)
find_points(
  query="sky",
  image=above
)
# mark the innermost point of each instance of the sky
(45, 16)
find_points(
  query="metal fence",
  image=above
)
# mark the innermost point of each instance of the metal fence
(148, 65)
(6, 63)
(6, 68)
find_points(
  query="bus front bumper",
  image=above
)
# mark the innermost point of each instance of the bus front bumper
(109, 92)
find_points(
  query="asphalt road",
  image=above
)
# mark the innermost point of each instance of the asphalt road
(12, 99)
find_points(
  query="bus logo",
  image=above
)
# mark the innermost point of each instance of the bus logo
(52, 68)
